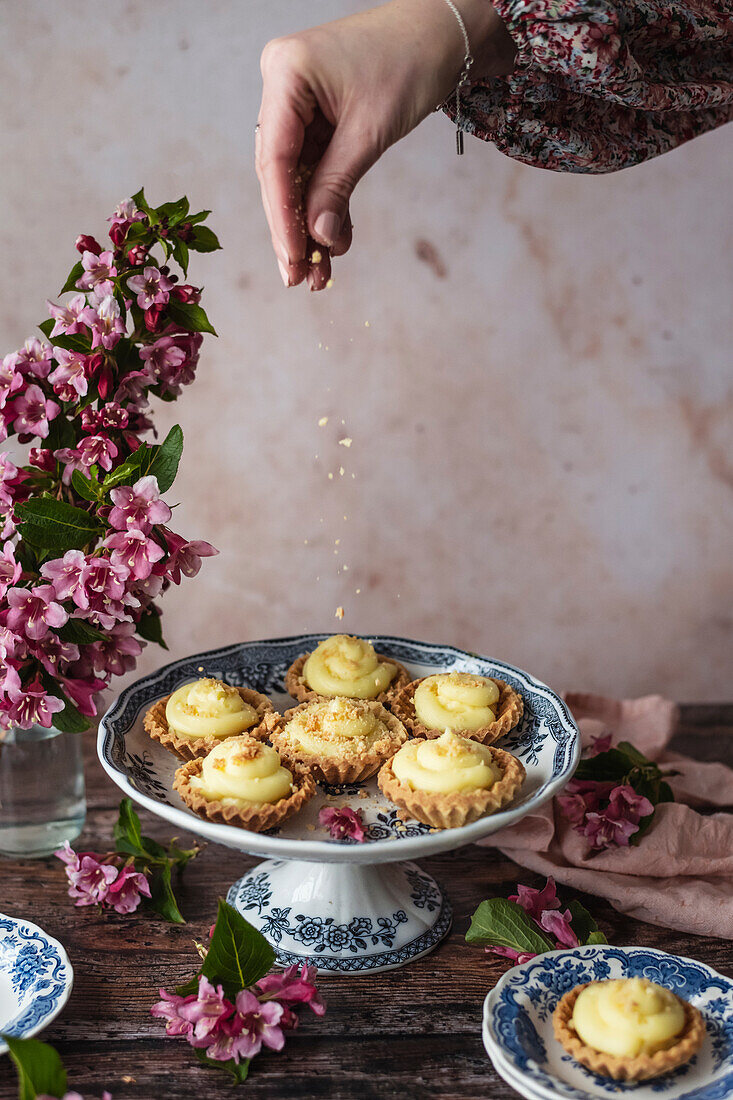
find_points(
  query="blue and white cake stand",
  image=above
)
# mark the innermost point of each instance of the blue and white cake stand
(35, 978)
(344, 907)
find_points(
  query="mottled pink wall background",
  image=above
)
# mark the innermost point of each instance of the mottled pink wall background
(541, 406)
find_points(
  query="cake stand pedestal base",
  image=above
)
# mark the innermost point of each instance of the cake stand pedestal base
(344, 918)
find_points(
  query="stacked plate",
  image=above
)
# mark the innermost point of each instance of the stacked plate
(35, 978)
(519, 1039)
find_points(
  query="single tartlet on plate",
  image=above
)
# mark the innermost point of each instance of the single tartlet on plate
(480, 707)
(450, 781)
(242, 782)
(200, 715)
(342, 666)
(339, 740)
(629, 1029)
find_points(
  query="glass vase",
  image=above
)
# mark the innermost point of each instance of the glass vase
(42, 796)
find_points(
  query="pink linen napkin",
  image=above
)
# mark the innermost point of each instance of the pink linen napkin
(681, 874)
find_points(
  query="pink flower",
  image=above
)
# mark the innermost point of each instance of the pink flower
(70, 460)
(113, 415)
(582, 796)
(33, 706)
(10, 569)
(256, 1023)
(82, 692)
(342, 823)
(97, 450)
(32, 411)
(126, 212)
(117, 653)
(99, 272)
(138, 506)
(42, 459)
(163, 357)
(185, 557)
(53, 653)
(65, 574)
(35, 358)
(11, 646)
(291, 987)
(152, 287)
(536, 902)
(85, 243)
(89, 879)
(169, 1009)
(70, 380)
(34, 611)
(133, 549)
(558, 925)
(601, 743)
(626, 804)
(107, 323)
(205, 1012)
(614, 826)
(71, 318)
(11, 380)
(509, 953)
(125, 893)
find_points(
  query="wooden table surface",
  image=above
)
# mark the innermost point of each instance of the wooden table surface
(413, 1032)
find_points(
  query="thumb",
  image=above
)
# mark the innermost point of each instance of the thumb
(346, 159)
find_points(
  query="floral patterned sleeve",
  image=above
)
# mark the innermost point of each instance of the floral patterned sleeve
(604, 84)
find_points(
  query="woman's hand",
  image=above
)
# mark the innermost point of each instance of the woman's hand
(335, 97)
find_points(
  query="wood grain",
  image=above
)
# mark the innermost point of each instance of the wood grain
(414, 1032)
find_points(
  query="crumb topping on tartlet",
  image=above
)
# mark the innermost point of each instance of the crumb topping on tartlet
(344, 666)
(200, 715)
(447, 696)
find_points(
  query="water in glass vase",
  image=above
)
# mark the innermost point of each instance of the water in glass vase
(42, 797)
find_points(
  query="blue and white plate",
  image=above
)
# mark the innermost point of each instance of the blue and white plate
(546, 741)
(35, 978)
(518, 1034)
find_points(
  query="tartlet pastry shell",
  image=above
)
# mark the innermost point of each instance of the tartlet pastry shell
(189, 748)
(450, 811)
(349, 768)
(509, 710)
(625, 1068)
(256, 816)
(296, 686)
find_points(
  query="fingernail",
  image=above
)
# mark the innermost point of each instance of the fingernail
(281, 251)
(327, 227)
(284, 272)
(310, 278)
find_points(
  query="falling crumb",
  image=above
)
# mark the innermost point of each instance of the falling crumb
(366, 324)
(345, 568)
(342, 471)
(320, 343)
(326, 348)
(128, 1079)
(346, 517)
(305, 542)
(339, 613)
(329, 284)
(337, 542)
(330, 477)
(200, 668)
(316, 256)
(322, 422)
(353, 475)
(311, 828)
(345, 442)
(358, 591)
(344, 423)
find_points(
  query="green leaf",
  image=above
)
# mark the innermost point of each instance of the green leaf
(596, 937)
(55, 525)
(238, 954)
(200, 216)
(499, 922)
(140, 201)
(74, 275)
(190, 317)
(136, 233)
(237, 1071)
(149, 627)
(612, 766)
(84, 486)
(60, 434)
(46, 327)
(644, 826)
(74, 342)
(40, 1069)
(633, 754)
(175, 212)
(203, 239)
(79, 632)
(665, 793)
(163, 900)
(180, 254)
(70, 719)
(162, 461)
(127, 831)
(583, 924)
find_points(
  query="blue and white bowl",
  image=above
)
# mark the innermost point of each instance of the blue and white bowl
(518, 1033)
(35, 978)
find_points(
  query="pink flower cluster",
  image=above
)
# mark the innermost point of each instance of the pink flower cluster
(95, 881)
(543, 907)
(258, 1017)
(606, 814)
(343, 823)
(87, 405)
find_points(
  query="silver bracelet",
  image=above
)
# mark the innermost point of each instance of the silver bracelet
(463, 78)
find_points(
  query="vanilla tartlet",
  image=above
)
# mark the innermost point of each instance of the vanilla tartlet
(480, 707)
(345, 666)
(242, 782)
(200, 715)
(629, 1029)
(451, 780)
(340, 740)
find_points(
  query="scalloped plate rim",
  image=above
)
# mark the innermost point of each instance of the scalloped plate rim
(66, 992)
